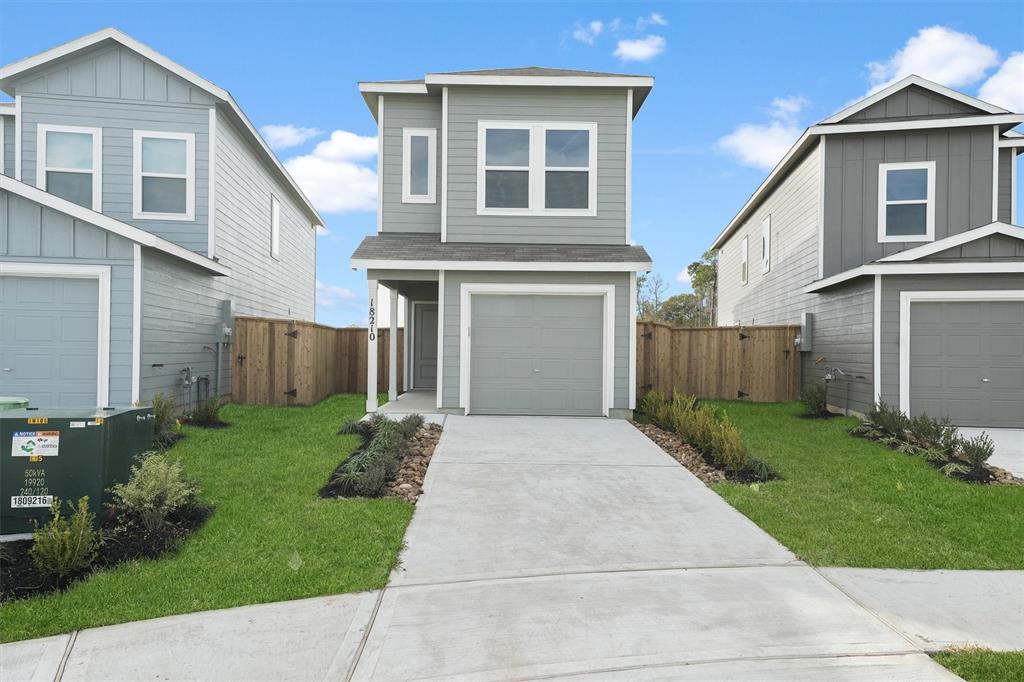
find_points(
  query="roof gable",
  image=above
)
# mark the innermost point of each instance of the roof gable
(914, 97)
(995, 240)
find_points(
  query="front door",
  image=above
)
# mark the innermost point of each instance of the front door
(424, 333)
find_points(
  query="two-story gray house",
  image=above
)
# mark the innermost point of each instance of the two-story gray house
(138, 206)
(504, 221)
(892, 226)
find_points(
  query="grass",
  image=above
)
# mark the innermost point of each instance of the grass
(982, 665)
(846, 501)
(271, 537)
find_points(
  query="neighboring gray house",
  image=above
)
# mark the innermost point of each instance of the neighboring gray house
(892, 225)
(504, 221)
(137, 205)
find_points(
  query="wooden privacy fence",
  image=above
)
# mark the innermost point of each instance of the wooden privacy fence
(761, 364)
(285, 362)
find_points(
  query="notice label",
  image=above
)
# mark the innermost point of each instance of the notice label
(31, 501)
(35, 444)
(77, 425)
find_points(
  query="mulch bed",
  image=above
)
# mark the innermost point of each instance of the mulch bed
(216, 424)
(408, 483)
(166, 439)
(124, 539)
(986, 475)
(684, 453)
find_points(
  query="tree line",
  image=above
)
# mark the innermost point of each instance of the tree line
(695, 309)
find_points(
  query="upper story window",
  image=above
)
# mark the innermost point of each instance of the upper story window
(275, 227)
(70, 163)
(744, 260)
(528, 168)
(906, 202)
(419, 165)
(164, 175)
(766, 243)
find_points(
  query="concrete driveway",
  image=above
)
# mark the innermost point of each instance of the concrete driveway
(1009, 452)
(549, 547)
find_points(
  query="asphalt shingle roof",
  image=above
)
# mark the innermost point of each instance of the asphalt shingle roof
(420, 247)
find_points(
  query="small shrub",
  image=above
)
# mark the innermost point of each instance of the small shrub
(977, 450)
(207, 412)
(163, 414)
(156, 488)
(66, 547)
(815, 400)
(409, 425)
(367, 471)
(888, 420)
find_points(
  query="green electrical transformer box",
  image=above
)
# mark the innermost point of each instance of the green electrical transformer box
(65, 453)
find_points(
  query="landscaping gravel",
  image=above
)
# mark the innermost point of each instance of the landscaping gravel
(683, 453)
(408, 484)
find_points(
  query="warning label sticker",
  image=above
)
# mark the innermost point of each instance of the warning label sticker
(35, 443)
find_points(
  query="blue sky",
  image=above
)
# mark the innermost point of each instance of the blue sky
(735, 82)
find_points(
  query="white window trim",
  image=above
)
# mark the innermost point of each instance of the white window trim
(470, 289)
(190, 175)
(97, 159)
(431, 196)
(101, 273)
(537, 168)
(909, 297)
(929, 235)
(766, 244)
(275, 227)
(3, 134)
(745, 261)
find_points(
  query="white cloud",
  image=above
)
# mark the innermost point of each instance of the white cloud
(587, 34)
(653, 19)
(640, 49)
(1006, 86)
(614, 25)
(683, 277)
(331, 295)
(787, 108)
(286, 136)
(762, 145)
(331, 177)
(937, 53)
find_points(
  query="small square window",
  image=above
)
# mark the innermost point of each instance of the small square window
(71, 163)
(164, 176)
(906, 202)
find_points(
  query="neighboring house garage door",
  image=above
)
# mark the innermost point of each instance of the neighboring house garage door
(48, 339)
(536, 354)
(967, 361)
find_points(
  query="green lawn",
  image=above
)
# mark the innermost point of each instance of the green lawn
(981, 665)
(845, 501)
(270, 539)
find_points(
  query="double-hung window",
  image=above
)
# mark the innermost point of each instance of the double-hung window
(906, 202)
(164, 175)
(275, 227)
(419, 165)
(744, 260)
(70, 163)
(530, 168)
(766, 243)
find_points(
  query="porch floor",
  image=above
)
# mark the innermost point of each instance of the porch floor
(422, 402)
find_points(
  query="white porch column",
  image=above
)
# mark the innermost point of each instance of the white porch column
(393, 348)
(371, 347)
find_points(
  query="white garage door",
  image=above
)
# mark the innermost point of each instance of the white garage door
(48, 340)
(536, 354)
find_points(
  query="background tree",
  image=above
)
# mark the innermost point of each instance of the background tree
(682, 310)
(650, 296)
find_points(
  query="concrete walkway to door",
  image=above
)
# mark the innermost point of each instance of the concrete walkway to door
(549, 547)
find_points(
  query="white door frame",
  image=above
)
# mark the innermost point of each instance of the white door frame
(607, 291)
(101, 273)
(410, 326)
(909, 297)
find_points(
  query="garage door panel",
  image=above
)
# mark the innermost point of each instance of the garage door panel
(1007, 313)
(1007, 345)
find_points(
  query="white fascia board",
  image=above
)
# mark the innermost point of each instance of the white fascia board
(7, 108)
(1011, 143)
(109, 224)
(516, 266)
(542, 81)
(394, 88)
(968, 268)
(918, 124)
(920, 82)
(954, 241)
(19, 67)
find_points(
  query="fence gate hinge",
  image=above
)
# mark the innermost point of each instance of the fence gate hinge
(648, 335)
(241, 358)
(742, 394)
(647, 387)
(743, 337)
(293, 333)
(294, 392)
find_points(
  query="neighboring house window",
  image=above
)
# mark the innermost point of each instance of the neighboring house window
(164, 176)
(70, 163)
(906, 202)
(419, 165)
(744, 260)
(766, 243)
(527, 168)
(275, 227)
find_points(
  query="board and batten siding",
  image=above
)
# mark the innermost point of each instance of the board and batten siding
(262, 286)
(453, 282)
(775, 297)
(996, 247)
(1004, 186)
(32, 233)
(8, 146)
(409, 111)
(604, 106)
(913, 101)
(963, 188)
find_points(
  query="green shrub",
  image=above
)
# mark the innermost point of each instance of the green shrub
(367, 471)
(815, 400)
(888, 420)
(163, 414)
(977, 450)
(156, 488)
(207, 412)
(409, 425)
(66, 547)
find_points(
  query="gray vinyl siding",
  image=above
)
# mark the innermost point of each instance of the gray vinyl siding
(260, 284)
(893, 285)
(31, 233)
(775, 297)
(409, 111)
(844, 338)
(452, 322)
(469, 105)
(118, 119)
(996, 247)
(913, 102)
(963, 188)
(1005, 185)
(8, 152)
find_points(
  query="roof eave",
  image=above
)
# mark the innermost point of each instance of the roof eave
(913, 79)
